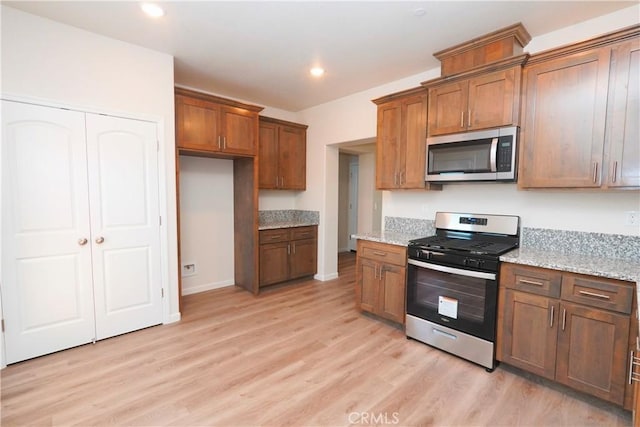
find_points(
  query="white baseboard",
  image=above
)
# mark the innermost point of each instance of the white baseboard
(173, 317)
(206, 287)
(325, 277)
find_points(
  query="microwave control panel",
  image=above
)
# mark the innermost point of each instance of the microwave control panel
(505, 153)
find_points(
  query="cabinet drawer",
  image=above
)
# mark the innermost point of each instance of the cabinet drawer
(382, 252)
(274, 236)
(534, 280)
(598, 292)
(299, 233)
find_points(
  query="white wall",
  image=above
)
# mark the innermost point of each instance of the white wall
(343, 201)
(369, 206)
(206, 222)
(354, 117)
(55, 63)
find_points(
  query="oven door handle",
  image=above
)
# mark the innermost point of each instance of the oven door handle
(459, 271)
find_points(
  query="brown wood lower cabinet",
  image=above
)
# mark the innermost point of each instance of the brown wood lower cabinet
(381, 276)
(585, 346)
(287, 254)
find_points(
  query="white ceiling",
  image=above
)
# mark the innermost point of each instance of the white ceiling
(261, 51)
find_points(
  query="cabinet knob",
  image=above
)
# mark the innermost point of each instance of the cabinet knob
(100, 240)
(82, 241)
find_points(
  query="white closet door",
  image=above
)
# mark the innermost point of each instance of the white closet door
(125, 228)
(46, 266)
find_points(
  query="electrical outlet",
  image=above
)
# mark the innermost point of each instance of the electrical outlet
(632, 218)
(188, 269)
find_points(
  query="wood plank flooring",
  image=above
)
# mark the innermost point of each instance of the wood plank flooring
(295, 355)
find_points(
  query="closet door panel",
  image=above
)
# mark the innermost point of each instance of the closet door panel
(46, 276)
(125, 223)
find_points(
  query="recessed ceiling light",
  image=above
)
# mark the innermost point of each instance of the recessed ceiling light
(317, 71)
(153, 10)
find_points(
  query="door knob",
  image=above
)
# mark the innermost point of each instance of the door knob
(82, 241)
(100, 240)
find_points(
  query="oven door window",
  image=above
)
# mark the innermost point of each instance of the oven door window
(467, 304)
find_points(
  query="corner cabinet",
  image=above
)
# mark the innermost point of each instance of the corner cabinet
(401, 141)
(282, 155)
(484, 101)
(211, 124)
(580, 110)
(381, 279)
(571, 328)
(287, 254)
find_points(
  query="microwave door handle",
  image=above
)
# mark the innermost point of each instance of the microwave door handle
(494, 154)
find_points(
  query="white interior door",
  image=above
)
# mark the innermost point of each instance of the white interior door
(46, 261)
(125, 223)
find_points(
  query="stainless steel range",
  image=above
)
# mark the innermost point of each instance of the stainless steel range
(452, 283)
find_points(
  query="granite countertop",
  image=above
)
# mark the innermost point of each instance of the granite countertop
(613, 268)
(287, 218)
(390, 237)
(286, 224)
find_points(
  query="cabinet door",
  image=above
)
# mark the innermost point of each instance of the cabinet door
(592, 351)
(624, 126)
(239, 135)
(274, 263)
(268, 156)
(389, 135)
(413, 144)
(564, 121)
(197, 124)
(367, 285)
(292, 158)
(392, 292)
(447, 108)
(46, 255)
(304, 259)
(529, 332)
(492, 99)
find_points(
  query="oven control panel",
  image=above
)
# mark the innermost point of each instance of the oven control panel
(473, 220)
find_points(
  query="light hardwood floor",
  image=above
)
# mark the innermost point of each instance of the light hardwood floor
(295, 355)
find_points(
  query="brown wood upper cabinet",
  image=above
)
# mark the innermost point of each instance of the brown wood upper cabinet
(567, 327)
(484, 101)
(580, 115)
(401, 140)
(282, 155)
(207, 123)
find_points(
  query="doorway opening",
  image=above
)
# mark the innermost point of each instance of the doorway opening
(359, 203)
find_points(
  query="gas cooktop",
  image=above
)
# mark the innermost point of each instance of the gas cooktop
(469, 244)
(466, 234)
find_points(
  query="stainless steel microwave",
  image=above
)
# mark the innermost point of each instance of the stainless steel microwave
(486, 155)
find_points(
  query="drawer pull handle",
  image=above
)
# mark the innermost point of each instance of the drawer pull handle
(564, 318)
(379, 253)
(551, 316)
(531, 282)
(591, 294)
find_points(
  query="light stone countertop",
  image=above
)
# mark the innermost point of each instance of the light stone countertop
(286, 224)
(612, 268)
(390, 237)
